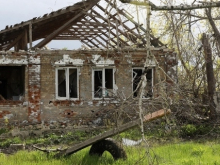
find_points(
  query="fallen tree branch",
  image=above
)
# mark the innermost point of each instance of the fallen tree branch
(179, 7)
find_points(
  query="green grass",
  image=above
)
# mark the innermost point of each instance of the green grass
(187, 153)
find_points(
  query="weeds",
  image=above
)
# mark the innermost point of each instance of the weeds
(181, 153)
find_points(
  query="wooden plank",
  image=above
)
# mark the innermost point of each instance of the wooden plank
(24, 45)
(112, 132)
(82, 23)
(30, 35)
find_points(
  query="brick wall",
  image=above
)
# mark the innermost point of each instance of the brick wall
(40, 104)
(34, 88)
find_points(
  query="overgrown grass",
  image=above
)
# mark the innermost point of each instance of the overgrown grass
(189, 153)
(185, 153)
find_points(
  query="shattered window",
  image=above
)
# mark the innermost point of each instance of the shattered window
(12, 80)
(103, 82)
(67, 83)
(137, 73)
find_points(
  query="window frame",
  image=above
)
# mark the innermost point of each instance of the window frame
(67, 83)
(152, 81)
(103, 82)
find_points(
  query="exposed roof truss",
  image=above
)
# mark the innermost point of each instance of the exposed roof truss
(95, 23)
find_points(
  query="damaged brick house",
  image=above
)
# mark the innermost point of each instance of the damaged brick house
(63, 88)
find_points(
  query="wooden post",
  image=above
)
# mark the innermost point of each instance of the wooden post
(24, 45)
(30, 35)
(22, 42)
(116, 22)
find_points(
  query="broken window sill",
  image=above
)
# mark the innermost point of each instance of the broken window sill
(67, 102)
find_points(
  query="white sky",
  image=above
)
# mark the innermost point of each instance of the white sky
(16, 11)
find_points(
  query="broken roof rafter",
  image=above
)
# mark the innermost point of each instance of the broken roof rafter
(63, 27)
(87, 44)
(128, 32)
(111, 25)
(130, 17)
(86, 21)
(101, 32)
(90, 23)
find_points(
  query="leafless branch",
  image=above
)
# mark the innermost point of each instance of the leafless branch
(180, 7)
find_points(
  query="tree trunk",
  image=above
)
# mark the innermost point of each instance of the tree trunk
(213, 25)
(210, 76)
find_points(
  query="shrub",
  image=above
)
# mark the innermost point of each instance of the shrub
(188, 130)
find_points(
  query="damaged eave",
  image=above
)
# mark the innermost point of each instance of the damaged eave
(100, 61)
(99, 51)
(6, 59)
(69, 61)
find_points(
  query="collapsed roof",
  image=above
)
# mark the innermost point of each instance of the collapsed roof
(88, 21)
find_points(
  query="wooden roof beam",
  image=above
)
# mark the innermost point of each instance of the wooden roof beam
(100, 43)
(112, 25)
(103, 33)
(123, 25)
(131, 19)
(63, 27)
(69, 38)
(105, 40)
(91, 23)
(86, 31)
(87, 44)
(125, 34)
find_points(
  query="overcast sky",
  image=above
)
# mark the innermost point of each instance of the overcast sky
(16, 11)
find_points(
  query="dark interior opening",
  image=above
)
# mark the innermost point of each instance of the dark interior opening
(12, 80)
(61, 83)
(137, 73)
(98, 84)
(109, 78)
(73, 83)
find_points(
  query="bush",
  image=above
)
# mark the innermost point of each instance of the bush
(188, 130)
(193, 130)
(3, 130)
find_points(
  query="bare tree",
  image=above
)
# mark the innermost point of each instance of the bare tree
(196, 72)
